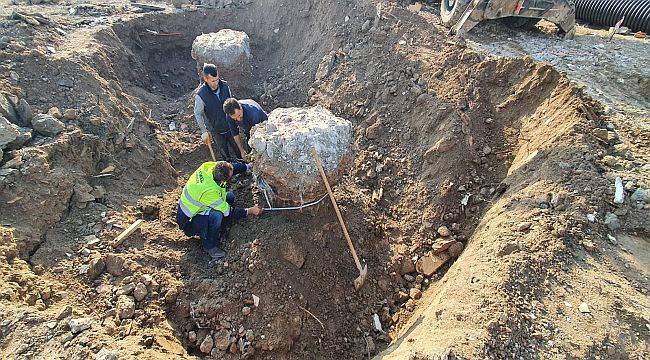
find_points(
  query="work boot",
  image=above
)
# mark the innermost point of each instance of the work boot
(216, 253)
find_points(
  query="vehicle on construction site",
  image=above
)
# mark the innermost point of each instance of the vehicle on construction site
(462, 15)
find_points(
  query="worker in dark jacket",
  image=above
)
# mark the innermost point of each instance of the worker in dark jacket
(208, 111)
(246, 114)
(206, 202)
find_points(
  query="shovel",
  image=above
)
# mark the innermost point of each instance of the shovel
(363, 270)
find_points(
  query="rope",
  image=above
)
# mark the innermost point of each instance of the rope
(295, 207)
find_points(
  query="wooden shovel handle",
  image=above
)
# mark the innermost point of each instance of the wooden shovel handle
(336, 207)
(212, 151)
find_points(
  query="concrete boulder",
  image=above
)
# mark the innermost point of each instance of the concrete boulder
(228, 49)
(282, 150)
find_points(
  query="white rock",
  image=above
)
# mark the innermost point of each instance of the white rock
(282, 149)
(228, 49)
(376, 323)
(619, 194)
(584, 308)
(80, 324)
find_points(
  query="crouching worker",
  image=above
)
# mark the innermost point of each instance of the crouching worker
(206, 203)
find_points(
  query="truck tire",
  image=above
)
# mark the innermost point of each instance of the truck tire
(451, 11)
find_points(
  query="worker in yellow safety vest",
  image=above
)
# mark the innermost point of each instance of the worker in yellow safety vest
(206, 202)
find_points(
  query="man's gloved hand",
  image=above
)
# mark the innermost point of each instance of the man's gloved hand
(206, 138)
(255, 210)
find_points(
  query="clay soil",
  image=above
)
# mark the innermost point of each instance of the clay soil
(503, 157)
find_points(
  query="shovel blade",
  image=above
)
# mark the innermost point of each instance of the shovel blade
(363, 273)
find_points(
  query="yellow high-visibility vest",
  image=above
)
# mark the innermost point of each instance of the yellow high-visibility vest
(202, 194)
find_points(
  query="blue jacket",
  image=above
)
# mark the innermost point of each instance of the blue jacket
(253, 114)
(217, 121)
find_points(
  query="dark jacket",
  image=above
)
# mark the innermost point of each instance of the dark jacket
(253, 114)
(216, 119)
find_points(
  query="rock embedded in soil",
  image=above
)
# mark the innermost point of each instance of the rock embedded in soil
(282, 151)
(455, 249)
(415, 294)
(406, 265)
(228, 49)
(7, 110)
(23, 138)
(429, 264)
(8, 132)
(612, 221)
(95, 267)
(444, 231)
(25, 113)
(222, 339)
(70, 114)
(80, 324)
(55, 112)
(47, 125)
(125, 307)
(206, 344)
(140, 292)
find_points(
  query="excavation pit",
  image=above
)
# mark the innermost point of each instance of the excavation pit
(431, 149)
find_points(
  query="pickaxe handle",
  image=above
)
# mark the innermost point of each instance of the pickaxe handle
(336, 208)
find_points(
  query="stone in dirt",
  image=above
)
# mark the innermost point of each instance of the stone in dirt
(55, 112)
(7, 109)
(222, 339)
(294, 254)
(140, 292)
(640, 195)
(282, 151)
(82, 194)
(442, 245)
(125, 307)
(206, 344)
(228, 49)
(23, 138)
(47, 125)
(70, 114)
(25, 113)
(441, 146)
(95, 267)
(444, 231)
(8, 132)
(429, 264)
(114, 264)
(80, 324)
(406, 265)
(455, 249)
(105, 354)
(64, 313)
(524, 226)
(612, 221)
(415, 293)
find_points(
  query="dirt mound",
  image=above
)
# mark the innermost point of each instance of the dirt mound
(454, 151)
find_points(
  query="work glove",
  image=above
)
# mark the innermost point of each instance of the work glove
(206, 138)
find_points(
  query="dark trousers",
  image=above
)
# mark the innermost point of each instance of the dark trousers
(226, 148)
(207, 227)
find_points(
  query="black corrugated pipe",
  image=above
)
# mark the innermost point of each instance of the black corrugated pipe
(609, 12)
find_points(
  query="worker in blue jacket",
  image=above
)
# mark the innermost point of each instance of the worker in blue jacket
(245, 114)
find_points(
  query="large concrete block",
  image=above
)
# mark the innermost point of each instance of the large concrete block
(228, 49)
(282, 151)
